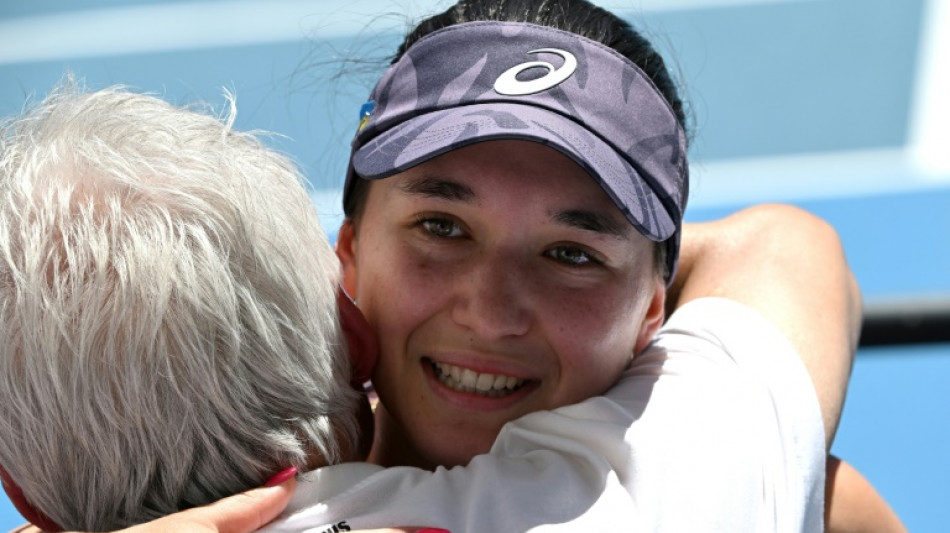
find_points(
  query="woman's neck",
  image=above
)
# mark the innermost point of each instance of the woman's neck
(391, 446)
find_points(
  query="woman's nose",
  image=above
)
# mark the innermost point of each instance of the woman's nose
(492, 298)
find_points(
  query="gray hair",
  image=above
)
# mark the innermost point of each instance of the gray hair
(168, 325)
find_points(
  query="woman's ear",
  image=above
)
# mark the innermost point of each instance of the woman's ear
(346, 252)
(654, 317)
(360, 340)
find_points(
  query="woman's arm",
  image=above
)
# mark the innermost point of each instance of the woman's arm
(790, 267)
(852, 505)
(241, 513)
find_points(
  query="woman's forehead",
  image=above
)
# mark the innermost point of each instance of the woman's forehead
(509, 166)
(514, 178)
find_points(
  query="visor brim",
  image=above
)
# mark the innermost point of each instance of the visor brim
(429, 135)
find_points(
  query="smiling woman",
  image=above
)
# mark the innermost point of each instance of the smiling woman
(460, 274)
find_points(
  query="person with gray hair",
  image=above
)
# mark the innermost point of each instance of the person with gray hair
(169, 332)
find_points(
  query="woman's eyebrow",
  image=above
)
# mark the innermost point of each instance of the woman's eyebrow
(593, 221)
(439, 188)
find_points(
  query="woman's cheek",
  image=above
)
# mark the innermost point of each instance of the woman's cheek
(596, 335)
(404, 293)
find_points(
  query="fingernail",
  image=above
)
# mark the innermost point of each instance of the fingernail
(432, 530)
(281, 476)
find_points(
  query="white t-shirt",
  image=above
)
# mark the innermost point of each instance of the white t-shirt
(715, 427)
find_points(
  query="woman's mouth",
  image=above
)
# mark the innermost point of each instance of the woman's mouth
(466, 380)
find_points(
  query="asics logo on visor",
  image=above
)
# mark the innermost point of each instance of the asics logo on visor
(508, 83)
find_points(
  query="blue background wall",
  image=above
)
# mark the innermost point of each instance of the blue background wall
(834, 105)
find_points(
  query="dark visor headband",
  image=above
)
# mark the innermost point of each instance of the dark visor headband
(483, 81)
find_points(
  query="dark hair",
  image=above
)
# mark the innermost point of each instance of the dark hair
(576, 16)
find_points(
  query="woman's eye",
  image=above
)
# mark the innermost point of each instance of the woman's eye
(572, 255)
(441, 227)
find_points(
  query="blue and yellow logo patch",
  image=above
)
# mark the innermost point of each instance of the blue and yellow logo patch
(366, 111)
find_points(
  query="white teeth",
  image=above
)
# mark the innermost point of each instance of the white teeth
(499, 382)
(485, 382)
(467, 380)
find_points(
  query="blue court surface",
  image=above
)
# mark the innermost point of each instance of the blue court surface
(839, 106)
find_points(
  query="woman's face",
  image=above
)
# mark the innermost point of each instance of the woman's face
(501, 280)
